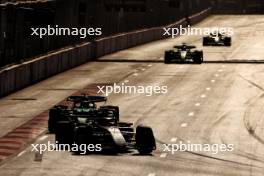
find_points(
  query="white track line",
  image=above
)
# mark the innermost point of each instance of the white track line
(203, 96)
(21, 153)
(184, 125)
(191, 114)
(163, 155)
(197, 104)
(43, 138)
(173, 139)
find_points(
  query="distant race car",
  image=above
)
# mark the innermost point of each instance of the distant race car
(84, 123)
(216, 39)
(183, 54)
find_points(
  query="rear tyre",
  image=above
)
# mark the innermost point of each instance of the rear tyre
(227, 41)
(54, 115)
(198, 57)
(205, 41)
(145, 140)
(168, 56)
(64, 133)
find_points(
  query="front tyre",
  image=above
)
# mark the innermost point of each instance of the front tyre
(145, 140)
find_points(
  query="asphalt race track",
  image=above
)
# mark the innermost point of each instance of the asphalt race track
(218, 102)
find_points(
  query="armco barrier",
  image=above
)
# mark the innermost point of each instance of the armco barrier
(19, 76)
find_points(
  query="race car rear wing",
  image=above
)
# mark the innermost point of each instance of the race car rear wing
(87, 98)
(184, 46)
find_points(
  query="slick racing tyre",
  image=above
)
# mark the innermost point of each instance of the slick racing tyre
(64, 132)
(168, 56)
(197, 60)
(145, 141)
(205, 41)
(227, 41)
(198, 57)
(54, 115)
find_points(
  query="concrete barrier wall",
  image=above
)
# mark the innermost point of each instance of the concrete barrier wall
(19, 76)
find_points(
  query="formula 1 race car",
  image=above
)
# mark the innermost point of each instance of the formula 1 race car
(78, 105)
(183, 54)
(84, 123)
(216, 39)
